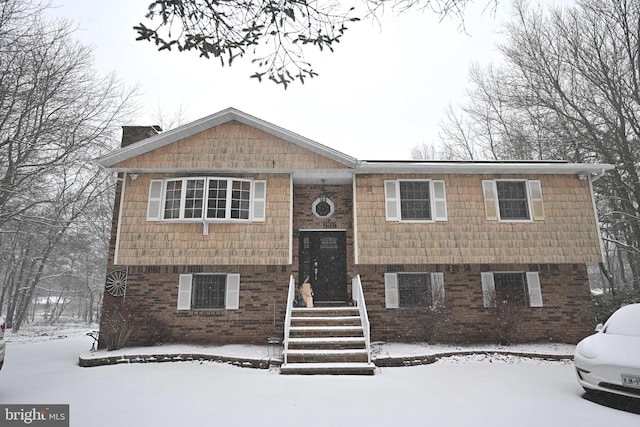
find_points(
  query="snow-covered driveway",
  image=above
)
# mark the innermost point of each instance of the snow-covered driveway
(454, 392)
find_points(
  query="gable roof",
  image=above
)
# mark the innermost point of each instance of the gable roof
(356, 166)
(224, 116)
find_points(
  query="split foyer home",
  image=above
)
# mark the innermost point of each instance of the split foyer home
(218, 222)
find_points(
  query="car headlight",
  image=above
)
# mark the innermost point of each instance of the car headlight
(584, 349)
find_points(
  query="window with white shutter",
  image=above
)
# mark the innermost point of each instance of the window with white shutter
(391, 200)
(513, 200)
(209, 291)
(154, 203)
(207, 199)
(488, 290)
(184, 292)
(414, 290)
(535, 292)
(415, 200)
(259, 200)
(513, 288)
(391, 290)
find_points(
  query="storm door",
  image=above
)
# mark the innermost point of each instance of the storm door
(323, 262)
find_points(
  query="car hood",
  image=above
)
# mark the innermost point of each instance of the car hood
(610, 349)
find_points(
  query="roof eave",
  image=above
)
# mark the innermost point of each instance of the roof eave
(538, 168)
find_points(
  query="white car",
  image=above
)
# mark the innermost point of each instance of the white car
(609, 361)
(2, 325)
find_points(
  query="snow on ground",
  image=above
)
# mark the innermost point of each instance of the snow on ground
(483, 390)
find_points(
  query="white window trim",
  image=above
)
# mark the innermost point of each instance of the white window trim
(393, 201)
(535, 205)
(392, 292)
(532, 283)
(319, 200)
(257, 201)
(232, 292)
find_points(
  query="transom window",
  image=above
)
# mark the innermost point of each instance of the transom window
(512, 199)
(209, 291)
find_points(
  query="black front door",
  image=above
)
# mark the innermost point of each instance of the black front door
(323, 262)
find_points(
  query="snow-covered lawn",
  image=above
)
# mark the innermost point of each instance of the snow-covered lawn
(480, 390)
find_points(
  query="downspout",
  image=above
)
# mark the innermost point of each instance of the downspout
(356, 260)
(123, 180)
(291, 219)
(592, 178)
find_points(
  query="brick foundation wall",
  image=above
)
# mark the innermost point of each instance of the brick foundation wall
(152, 295)
(563, 318)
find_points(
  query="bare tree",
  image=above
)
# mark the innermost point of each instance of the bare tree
(56, 114)
(170, 120)
(274, 33)
(569, 89)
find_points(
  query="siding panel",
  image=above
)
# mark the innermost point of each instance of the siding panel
(568, 233)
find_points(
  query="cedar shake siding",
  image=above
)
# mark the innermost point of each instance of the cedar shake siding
(144, 242)
(230, 146)
(568, 233)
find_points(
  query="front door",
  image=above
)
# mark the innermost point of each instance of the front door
(323, 262)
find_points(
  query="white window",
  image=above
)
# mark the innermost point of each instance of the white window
(207, 199)
(414, 290)
(511, 287)
(210, 291)
(513, 200)
(415, 200)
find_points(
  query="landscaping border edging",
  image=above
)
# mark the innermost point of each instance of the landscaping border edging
(380, 362)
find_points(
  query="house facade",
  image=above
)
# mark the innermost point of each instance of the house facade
(213, 218)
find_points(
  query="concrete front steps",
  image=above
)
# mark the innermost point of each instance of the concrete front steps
(326, 340)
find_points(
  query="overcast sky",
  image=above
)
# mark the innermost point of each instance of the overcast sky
(383, 90)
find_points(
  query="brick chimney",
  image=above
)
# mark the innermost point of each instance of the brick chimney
(131, 134)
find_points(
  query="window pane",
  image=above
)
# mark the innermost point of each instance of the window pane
(510, 288)
(240, 196)
(413, 290)
(194, 198)
(209, 290)
(217, 200)
(512, 199)
(172, 199)
(414, 200)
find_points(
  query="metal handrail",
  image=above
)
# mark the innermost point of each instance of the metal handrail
(358, 297)
(287, 319)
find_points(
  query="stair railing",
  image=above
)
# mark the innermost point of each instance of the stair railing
(358, 297)
(287, 319)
